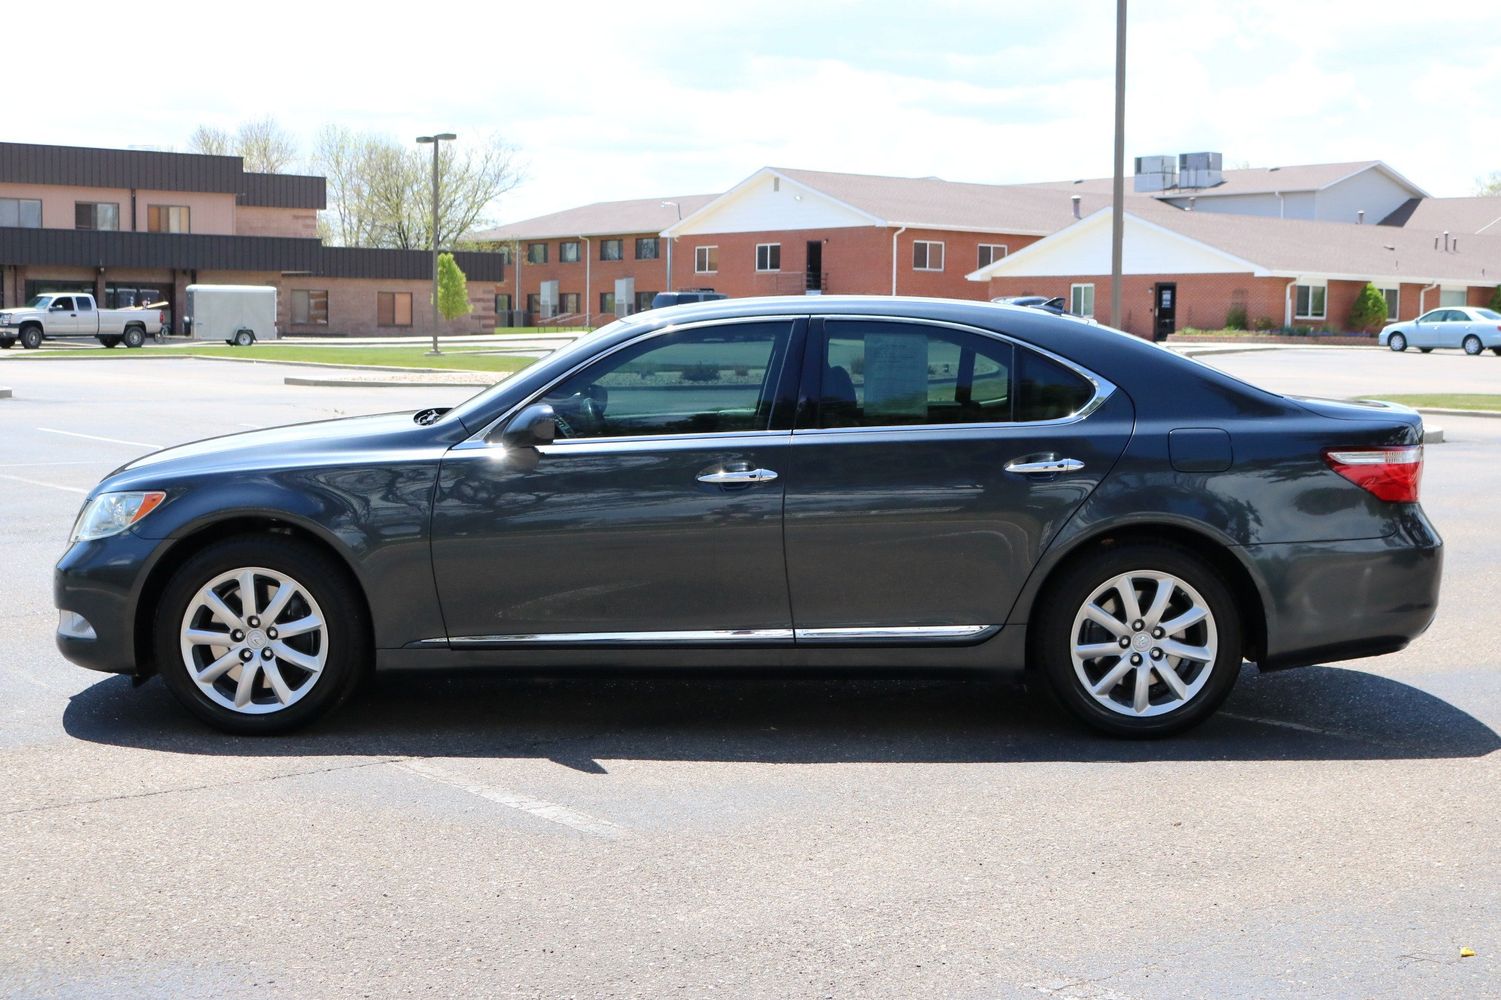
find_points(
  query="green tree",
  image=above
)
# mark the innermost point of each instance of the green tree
(1496, 299)
(1369, 311)
(1489, 185)
(453, 288)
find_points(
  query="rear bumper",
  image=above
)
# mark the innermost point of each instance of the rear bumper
(1329, 601)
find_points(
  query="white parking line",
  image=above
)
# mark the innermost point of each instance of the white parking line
(550, 811)
(38, 482)
(96, 437)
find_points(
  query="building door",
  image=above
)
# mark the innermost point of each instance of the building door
(815, 266)
(1165, 294)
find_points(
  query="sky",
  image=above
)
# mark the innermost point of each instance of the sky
(608, 101)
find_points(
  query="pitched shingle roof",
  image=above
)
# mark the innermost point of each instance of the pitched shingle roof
(602, 218)
(1481, 214)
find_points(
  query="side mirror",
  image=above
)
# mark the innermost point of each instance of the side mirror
(537, 424)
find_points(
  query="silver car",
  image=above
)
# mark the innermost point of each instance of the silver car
(1470, 328)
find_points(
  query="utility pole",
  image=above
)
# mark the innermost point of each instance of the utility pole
(436, 139)
(1118, 190)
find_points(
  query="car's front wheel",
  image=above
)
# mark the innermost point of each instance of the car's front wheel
(1141, 641)
(1397, 342)
(259, 635)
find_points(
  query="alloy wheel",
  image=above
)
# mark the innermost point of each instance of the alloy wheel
(1144, 643)
(254, 640)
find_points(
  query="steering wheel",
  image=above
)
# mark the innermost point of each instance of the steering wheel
(578, 415)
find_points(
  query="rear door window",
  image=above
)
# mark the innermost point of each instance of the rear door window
(892, 374)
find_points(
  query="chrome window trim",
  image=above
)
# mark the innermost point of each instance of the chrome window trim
(479, 437)
(1103, 387)
(828, 636)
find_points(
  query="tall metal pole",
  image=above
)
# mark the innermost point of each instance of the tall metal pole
(436, 144)
(670, 241)
(1118, 189)
(436, 139)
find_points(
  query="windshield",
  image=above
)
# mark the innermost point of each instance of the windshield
(39, 302)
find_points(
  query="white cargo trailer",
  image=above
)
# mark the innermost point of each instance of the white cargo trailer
(235, 314)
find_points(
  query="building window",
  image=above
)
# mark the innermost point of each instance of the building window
(611, 249)
(502, 304)
(927, 255)
(646, 248)
(768, 256)
(568, 252)
(606, 302)
(1393, 298)
(21, 213)
(310, 306)
(643, 300)
(507, 256)
(533, 303)
(990, 253)
(1452, 296)
(705, 260)
(393, 309)
(536, 253)
(568, 303)
(1081, 300)
(96, 215)
(1310, 301)
(168, 219)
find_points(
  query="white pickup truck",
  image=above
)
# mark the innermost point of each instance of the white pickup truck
(74, 314)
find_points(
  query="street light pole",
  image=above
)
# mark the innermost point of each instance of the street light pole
(436, 139)
(1118, 187)
(670, 241)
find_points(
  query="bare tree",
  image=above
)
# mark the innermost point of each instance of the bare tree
(380, 190)
(266, 147)
(211, 141)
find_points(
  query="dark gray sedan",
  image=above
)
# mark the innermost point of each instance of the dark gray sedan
(870, 483)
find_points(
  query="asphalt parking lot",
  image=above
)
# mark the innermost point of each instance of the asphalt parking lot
(1332, 833)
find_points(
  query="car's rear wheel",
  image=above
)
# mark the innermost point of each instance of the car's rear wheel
(259, 635)
(1142, 641)
(1397, 342)
(135, 336)
(1425, 350)
(1472, 345)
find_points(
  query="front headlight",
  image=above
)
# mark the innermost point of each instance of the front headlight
(111, 513)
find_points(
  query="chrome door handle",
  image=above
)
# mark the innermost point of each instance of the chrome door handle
(1046, 464)
(726, 477)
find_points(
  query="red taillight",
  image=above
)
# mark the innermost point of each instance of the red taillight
(1390, 474)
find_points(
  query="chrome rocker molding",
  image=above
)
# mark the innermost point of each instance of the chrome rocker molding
(864, 635)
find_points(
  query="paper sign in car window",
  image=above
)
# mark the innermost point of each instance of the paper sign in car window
(896, 375)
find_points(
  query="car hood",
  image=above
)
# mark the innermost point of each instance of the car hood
(320, 443)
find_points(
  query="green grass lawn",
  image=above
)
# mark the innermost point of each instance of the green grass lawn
(1445, 400)
(461, 358)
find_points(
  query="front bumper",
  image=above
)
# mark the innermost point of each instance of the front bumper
(1328, 601)
(100, 582)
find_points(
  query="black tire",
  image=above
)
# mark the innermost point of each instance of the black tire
(1065, 599)
(1496, 351)
(1425, 350)
(6, 343)
(135, 336)
(1472, 345)
(31, 337)
(109, 341)
(320, 576)
(1397, 342)
(244, 338)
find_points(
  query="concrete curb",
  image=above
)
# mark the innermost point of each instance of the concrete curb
(1437, 411)
(359, 383)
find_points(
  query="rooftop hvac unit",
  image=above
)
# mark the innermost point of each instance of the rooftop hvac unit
(1200, 170)
(1156, 173)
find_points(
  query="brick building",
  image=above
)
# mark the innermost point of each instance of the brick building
(132, 226)
(1191, 269)
(793, 231)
